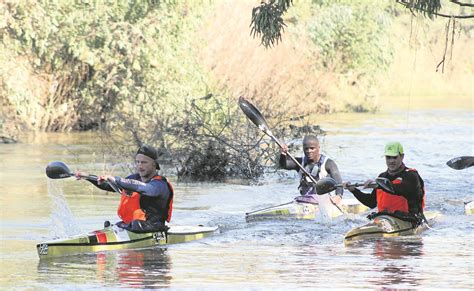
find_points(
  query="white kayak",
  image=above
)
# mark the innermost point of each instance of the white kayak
(304, 210)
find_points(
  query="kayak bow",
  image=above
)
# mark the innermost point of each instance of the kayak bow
(116, 238)
(387, 226)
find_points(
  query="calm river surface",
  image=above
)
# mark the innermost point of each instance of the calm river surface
(265, 255)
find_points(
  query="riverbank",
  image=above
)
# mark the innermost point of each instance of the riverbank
(227, 62)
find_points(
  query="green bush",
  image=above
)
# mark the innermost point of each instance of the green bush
(107, 56)
(352, 35)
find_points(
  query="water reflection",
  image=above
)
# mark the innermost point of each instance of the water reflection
(398, 248)
(396, 257)
(147, 268)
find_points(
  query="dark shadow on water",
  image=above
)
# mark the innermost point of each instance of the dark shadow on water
(398, 248)
(146, 268)
(396, 262)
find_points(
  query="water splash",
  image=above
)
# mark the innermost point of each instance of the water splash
(63, 223)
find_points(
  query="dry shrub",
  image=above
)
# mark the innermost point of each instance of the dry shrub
(35, 97)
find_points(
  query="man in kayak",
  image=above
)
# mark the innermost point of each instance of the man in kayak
(318, 165)
(146, 197)
(406, 194)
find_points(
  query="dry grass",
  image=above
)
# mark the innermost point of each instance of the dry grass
(277, 78)
(283, 76)
(34, 98)
(413, 77)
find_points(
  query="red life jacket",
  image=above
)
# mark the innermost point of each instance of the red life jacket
(129, 208)
(391, 203)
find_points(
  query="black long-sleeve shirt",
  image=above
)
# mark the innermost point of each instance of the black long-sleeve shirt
(331, 168)
(153, 188)
(411, 187)
(155, 194)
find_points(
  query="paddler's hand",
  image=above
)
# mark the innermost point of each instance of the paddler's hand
(348, 186)
(80, 175)
(105, 178)
(368, 182)
(284, 149)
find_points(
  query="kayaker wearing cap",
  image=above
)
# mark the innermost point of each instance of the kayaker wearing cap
(315, 163)
(408, 194)
(147, 198)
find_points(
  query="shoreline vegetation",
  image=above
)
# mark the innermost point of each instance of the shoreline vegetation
(169, 73)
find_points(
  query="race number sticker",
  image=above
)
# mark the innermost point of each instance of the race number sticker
(43, 249)
(160, 237)
(306, 210)
(386, 225)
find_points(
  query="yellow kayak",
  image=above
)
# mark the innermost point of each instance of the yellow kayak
(116, 238)
(386, 225)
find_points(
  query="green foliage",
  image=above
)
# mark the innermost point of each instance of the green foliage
(109, 55)
(352, 35)
(131, 67)
(267, 21)
(426, 7)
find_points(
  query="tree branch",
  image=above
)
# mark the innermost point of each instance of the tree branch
(461, 3)
(430, 13)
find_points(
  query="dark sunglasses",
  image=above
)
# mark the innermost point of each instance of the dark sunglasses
(391, 158)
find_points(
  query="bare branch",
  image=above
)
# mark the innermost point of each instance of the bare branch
(430, 12)
(462, 3)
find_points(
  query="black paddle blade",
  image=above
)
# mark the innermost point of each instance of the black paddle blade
(253, 114)
(460, 163)
(325, 185)
(385, 184)
(58, 170)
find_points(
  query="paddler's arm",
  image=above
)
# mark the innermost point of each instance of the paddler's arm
(96, 181)
(368, 199)
(334, 173)
(154, 188)
(287, 163)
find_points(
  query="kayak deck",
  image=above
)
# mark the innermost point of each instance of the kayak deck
(116, 238)
(387, 226)
(469, 208)
(302, 210)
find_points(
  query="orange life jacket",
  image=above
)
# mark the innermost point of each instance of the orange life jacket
(391, 203)
(129, 208)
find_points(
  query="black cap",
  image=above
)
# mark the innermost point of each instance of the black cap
(150, 152)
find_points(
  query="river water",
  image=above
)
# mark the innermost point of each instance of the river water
(263, 255)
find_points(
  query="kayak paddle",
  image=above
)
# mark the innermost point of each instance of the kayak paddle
(328, 184)
(59, 170)
(257, 118)
(461, 163)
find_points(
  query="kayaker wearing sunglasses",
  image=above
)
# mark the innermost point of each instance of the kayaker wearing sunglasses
(318, 165)
(406, 196)
(146, 197)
